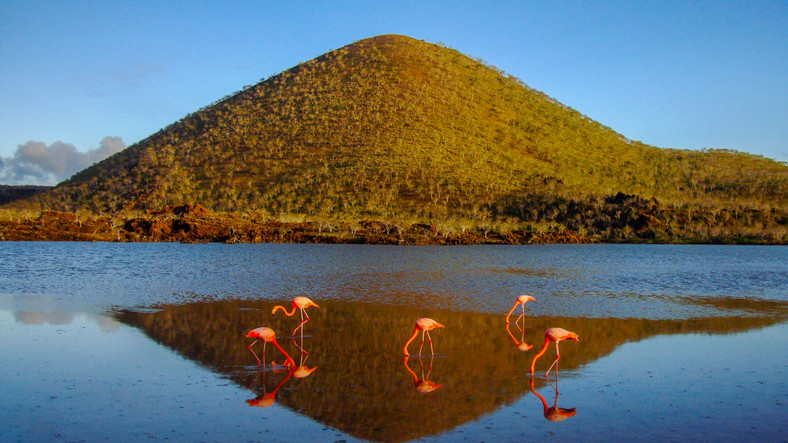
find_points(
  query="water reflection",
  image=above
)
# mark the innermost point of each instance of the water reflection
(520, 344)
(302, 370)
(553, 413)
(423, 384)
(265, 399)
(360, 388)
(61, 318)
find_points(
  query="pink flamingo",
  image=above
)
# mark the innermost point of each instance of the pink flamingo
(554, 335)
(423, 325)
(521, 300)
(266, 335)
(301, 303)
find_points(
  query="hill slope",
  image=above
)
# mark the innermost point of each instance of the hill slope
(392, 127)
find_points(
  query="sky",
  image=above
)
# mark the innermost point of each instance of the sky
(82, 79)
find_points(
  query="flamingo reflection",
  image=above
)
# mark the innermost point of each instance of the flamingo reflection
(521, 301)
(423, 325)
(267, 335)
(302, 371)
(265, 399)
(300, 303)
(553, 413)
(553, 335)
(521, 344)
(423, 385)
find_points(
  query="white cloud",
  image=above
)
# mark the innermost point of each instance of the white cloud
(35, 163)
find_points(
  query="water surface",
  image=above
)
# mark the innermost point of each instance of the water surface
(676, 342)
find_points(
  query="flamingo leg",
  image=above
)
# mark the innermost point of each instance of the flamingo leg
(422, 341)
(522, 316)
(301, 346)
(555, 387)
(253, 353)
(303, 312)
(557, 357)
(428, 336)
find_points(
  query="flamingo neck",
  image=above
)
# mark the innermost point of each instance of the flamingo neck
(415, 333)
(544, 348)
(510, 312)
(415, 377)
(289, 314)
(289, 359)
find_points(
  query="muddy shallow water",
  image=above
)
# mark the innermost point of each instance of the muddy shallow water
(148, 341)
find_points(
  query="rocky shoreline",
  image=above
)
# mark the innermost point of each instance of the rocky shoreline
(196, 224)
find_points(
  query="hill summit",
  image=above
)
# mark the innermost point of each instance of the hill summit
(393, 127)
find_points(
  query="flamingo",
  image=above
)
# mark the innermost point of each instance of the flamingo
(301, 303)
(521, 300)
(554, 335)
(267, 335)
(423, 325)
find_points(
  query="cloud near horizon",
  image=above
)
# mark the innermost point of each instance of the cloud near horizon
(35, 163)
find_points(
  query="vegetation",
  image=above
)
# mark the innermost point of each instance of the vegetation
(13, 193)
(399, 130)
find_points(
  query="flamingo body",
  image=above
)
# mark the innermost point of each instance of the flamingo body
(554, 335)
(520, 301)
(300, 303)
(423, 325)
(267, 335)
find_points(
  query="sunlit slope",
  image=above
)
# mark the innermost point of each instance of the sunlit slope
(396, 127)
(361, 385)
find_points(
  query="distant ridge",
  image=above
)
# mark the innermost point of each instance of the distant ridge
(393, 127)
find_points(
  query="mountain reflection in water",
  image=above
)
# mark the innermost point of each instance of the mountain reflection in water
(362, 388)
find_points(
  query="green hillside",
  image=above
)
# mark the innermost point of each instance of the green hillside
(396, 128)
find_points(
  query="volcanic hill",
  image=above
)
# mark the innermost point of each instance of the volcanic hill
(395, 128)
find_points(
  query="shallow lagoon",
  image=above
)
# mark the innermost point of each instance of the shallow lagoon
(147, 341)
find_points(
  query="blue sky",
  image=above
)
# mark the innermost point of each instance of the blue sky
(667, 73)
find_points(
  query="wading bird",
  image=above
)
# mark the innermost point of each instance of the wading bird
(554, 335)
(521, 300)
(423, 325)
(301, 303)
(267, 335)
